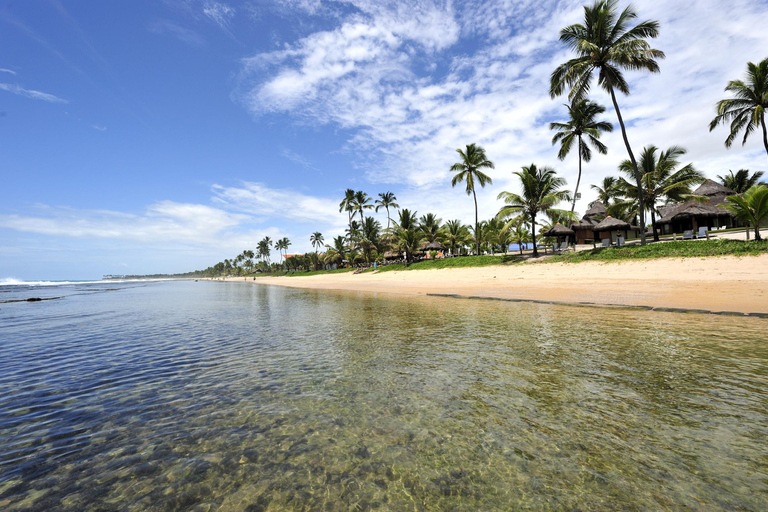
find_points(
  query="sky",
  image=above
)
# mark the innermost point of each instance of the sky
(142, 137)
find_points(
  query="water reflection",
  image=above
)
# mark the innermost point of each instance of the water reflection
(214, 396)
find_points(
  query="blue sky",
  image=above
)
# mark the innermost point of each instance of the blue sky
(164, 136)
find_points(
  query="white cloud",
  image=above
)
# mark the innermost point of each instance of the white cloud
(172, 29)
(10, 71)
(219, 13)
(99, 127)
(414, 82)
(29, 93)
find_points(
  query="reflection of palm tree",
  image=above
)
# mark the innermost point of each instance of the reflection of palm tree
(316, 239)
(541, 192)
(747, 110)
(582, 123)
(386, 200)
(741, 181)
(750, 207)
(660, 178)
(605, 43)
(468, 170)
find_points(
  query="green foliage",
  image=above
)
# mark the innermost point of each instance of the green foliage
(468, 170)
(680, 249)
(751, 207)
(460, 262)
(741, 181)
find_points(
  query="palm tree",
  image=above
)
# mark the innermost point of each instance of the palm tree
(582, 123)
(607, 191)
(430, 226)
(361, 202)
(541, 192)
(455, 234)
(605, 44)
(369, 237)
(661, 179)
(407, 233)
(346, 204)
(282, 245)
(520, 235)
(750, 207)
(747, 110)
(316, 239)
(741, 181)
(386, 200)
(267, 248)
(472, 160)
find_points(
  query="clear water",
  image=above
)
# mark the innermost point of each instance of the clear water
(233, 396)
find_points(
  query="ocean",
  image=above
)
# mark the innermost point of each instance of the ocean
(184, 395)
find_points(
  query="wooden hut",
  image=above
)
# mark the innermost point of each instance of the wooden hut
(691, 215)
(560, 232)
(611, 228)
(585, 228)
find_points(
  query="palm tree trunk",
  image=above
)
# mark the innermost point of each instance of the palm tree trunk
(634, 167)
(477, 234)
(387, 219)
(765, 133)
(578, 180)
(653, 224)
(757, 233)
(533, 235)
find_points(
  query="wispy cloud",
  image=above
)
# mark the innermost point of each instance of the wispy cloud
(219, 13)
(4, 70)
(99, 127)
(414, 82)
(30, 93)
(299, 159)
(172, 29)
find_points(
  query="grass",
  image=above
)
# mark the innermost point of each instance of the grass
(458, 262)
(680, 249)
(302, 273)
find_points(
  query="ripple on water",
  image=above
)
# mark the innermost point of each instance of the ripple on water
(222, 396)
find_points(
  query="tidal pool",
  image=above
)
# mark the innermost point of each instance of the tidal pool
(234, 396)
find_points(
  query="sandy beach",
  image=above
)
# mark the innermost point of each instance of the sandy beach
(714, 284)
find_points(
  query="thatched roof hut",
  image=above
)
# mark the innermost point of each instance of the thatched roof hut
(597, 211)
(712, 188)
(432, 246)
(559, 230)
(612, 224)
(391, 255)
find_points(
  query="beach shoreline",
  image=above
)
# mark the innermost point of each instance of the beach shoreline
(716, 284)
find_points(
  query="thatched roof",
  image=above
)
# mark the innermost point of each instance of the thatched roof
(712, 188)
(691, 209)
(433, 246)
(597, 210)
(389, 255)
(558, 230)
(612, 224)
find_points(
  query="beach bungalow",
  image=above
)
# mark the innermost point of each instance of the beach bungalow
(585, 229)
(692, 215)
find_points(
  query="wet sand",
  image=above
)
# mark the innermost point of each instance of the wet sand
(714, 284)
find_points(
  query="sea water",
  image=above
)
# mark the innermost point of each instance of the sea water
(237, 396)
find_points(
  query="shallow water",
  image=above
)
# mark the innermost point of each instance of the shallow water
(227, 396)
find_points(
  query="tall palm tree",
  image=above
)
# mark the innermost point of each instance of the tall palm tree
(267, 248)
(661, 179)
(741, 181)
(346, 204)
(750, 207)
(316, 239)
(455, 234)
(468, 170)
(582, 123)
(607, 190)
(541, 191)
(360, 203)
(606, 44)
(747, 110)
(370, 237)
(386, 200)
(520, 235)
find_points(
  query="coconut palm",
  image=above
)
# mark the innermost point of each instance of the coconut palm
(370, 237)
(360, 203)
(606, 44)
(407, 233)
(353, 231)
(540, 193)
(750, 207)
(455, 234)
(746, 111)
(607, 190)
(346, 204)
(386, 200)
(519, 233)
(430, 226)
(316, 239)
(741, 181)
(468, 170)
(583, 128)
(282, 245)
(661, 179)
